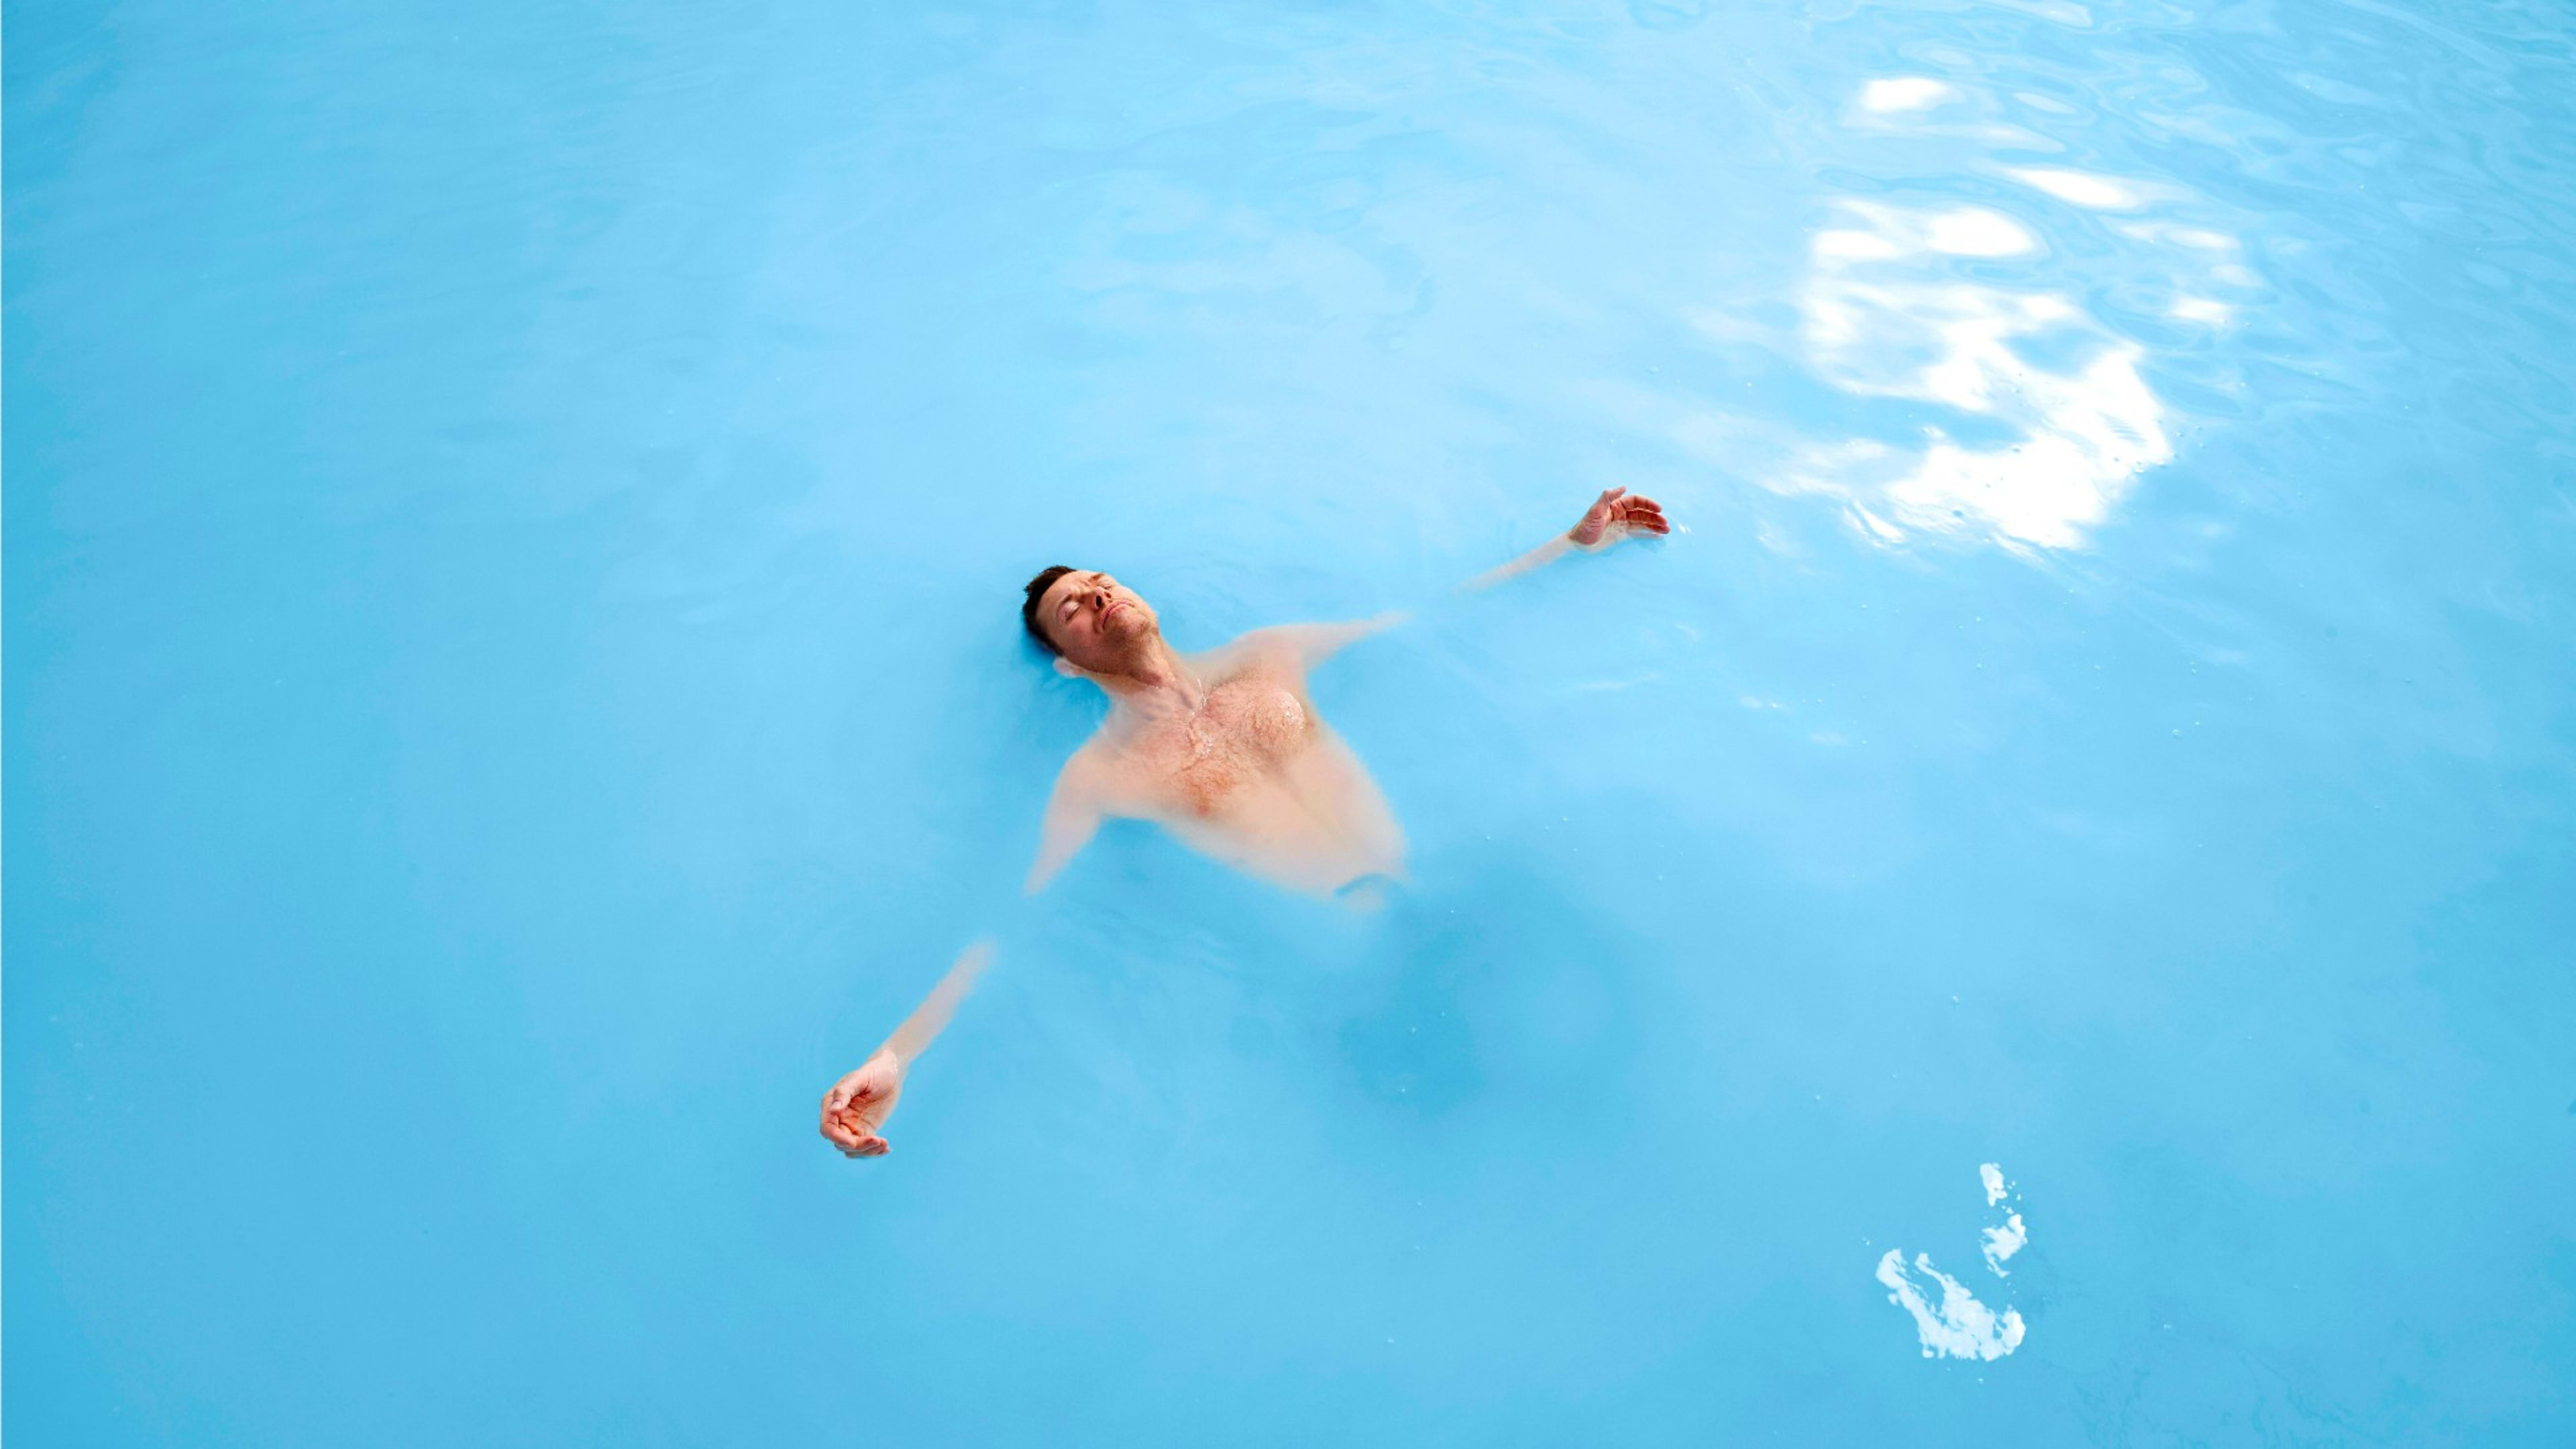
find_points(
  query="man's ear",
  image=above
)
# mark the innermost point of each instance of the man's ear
(1067, 667)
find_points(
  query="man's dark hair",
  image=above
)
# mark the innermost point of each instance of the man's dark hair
(1029, 609)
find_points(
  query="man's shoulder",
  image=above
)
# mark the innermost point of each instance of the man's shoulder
(1107, 773)
(1091, 757)
(1273, 649)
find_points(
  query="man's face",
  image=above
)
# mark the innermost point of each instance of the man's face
(1094, 619)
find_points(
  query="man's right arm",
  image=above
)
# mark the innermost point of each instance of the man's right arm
(857, 1105)
(1073, 816)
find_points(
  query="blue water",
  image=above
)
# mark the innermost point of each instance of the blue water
(514, 518)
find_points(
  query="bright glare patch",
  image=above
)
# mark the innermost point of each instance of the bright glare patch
(2031, 418)
(2061, 11)
(1975, 232)
(1903, 93)
(1881, 320)
(1854, 246)
(2082, 188)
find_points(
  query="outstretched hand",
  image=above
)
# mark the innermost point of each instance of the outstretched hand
(1615, 515)
(859, 1103)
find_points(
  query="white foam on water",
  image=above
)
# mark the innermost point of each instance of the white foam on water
(1949, 1320)
(2003, 1242)
(1959, 1326)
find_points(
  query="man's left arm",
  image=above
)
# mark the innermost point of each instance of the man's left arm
(1615, 516)
(1311, 644)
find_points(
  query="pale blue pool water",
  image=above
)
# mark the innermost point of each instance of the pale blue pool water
(514, 518)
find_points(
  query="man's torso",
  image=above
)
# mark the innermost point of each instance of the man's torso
(1253, 776)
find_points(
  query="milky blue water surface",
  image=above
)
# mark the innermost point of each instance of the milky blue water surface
(514, 517)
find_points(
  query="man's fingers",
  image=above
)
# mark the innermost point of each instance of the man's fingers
(854, 1144)
(851, 1084)
(1646, 513)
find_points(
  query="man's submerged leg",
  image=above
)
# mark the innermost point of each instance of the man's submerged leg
(1371, 892)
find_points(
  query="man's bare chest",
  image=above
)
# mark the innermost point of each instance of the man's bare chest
(1247, 729)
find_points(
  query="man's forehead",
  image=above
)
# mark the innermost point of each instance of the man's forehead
(1065, 583)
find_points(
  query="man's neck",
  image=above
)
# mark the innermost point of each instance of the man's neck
(1153, 681)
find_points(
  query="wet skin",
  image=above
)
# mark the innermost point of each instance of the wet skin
(1225, 749)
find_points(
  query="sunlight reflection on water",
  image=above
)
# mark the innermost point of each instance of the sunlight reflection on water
(2044, 420)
